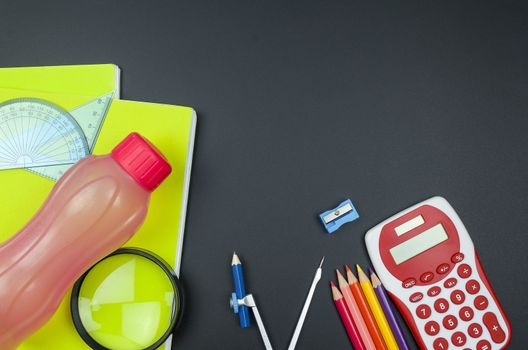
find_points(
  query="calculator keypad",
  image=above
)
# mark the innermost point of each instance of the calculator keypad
(456, 312)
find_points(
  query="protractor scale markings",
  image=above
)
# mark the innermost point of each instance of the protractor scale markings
(45, 139)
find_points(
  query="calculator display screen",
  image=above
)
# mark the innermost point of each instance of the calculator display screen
(419, 244)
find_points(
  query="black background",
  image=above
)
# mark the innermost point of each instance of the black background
(302, 104)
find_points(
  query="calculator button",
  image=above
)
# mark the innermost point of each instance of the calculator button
(416, 297)
(450, 282)
(464, 271)
(493, 326)
(442, 269)
(458, 339)
(456, 258)
(433, 291)
(423, 311)
(409, 282)
(483, 345)
(450, 322)
(458, 297)
(440, 344)
(472, 287)
(475, 330)
(466, 313)
(432, 328)
(441, 305)
(426, 277)
(481, 302)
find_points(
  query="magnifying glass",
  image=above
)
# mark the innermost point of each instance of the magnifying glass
(130, 300)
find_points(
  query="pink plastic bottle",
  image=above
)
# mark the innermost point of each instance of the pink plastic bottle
(93, 209)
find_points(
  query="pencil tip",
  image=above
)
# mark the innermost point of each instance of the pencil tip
(359, 268)
(235, 259)
(375, 280)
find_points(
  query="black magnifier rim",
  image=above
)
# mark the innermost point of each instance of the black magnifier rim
(176, 284)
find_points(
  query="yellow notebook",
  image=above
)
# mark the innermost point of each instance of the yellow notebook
(86, 79)
(170, 128)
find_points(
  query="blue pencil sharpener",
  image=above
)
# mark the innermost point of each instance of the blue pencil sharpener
(333, 219)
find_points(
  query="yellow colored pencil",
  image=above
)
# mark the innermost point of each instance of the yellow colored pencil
(377, 311)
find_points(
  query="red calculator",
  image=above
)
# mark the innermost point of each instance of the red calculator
(427, 262)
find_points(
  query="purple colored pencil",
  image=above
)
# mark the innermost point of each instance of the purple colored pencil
(383, 298)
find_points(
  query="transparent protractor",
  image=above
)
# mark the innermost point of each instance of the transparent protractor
(34, 132)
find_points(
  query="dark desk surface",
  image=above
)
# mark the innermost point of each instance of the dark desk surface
(302, 104)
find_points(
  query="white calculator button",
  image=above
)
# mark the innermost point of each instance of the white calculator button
(432, 328)
(483, 345)
(472, 287)
(474, 330)
(481, 302)
(464, 270)
(441, 305)
(450, 322)
(440, 344)
(458, 339)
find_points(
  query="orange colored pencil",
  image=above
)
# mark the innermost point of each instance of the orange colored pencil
(364, 308)
(354, 312)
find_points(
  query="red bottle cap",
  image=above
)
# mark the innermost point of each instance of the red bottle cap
(142, 160)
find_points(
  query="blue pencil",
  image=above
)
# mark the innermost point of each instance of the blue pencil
(240, 290)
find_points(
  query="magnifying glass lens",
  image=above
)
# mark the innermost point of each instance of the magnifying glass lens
(127, 302)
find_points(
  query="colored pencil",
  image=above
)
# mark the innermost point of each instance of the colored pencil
(389, 311)
(354, 312)
(350, 327)
(364, 308)
(376, 309)
(240, 290)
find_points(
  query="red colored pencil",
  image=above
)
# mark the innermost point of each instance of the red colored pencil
(349, 324)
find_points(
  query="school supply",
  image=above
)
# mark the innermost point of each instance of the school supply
(333, 219)
(171, 128)
(240, 290)
(429, 265)
(130, 299)
(353, 308)
(246, 301)
(364, 308)
(41, 137)
(85, 79)
(95, 208)
(389, 311)
(306, 306)
(376, 309)
(346, 319)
